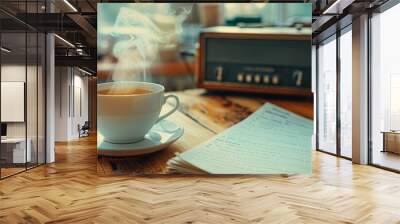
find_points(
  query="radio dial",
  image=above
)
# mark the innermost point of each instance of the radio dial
(219, 72)
(248, 78)
(275, 79)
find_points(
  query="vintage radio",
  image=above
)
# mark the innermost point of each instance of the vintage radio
(257, 60)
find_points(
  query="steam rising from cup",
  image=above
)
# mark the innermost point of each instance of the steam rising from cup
(140, 30)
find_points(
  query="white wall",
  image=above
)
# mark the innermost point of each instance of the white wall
(70, 83)
(61, 103)
(82, 83)
(79, 112)
(33, 127)
(12, 73)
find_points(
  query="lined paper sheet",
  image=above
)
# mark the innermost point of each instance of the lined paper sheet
(270, 141)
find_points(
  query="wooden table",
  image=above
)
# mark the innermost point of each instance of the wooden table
(202, 115)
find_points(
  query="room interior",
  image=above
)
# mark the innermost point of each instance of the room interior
(25, 66)
(49, 74)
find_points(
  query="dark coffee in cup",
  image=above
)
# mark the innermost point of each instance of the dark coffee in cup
(124, 91)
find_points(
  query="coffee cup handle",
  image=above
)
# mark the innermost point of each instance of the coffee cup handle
(171, 111)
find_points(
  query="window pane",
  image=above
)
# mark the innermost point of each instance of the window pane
(385, 84)
(327, 97)
(346, 94)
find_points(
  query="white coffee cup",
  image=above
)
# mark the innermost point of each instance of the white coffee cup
(128, 118)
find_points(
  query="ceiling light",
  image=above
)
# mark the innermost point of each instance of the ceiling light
(337, 7)
(80, 51)
(333, 6)
(70, 5)
(5, 50)
(84, 71)
(65, 41)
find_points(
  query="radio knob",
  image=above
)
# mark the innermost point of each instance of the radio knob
(275, 79)
(239, 77)
(266, 79)
(298, 77)
(248, 78)
(218, 74)
(257, 78)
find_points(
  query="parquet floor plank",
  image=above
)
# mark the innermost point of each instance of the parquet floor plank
(355, 194)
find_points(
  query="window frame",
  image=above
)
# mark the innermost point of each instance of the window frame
(333, 37)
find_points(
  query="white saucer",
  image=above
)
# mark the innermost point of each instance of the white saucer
(159, 137)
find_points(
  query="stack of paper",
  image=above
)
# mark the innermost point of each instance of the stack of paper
(270, 141)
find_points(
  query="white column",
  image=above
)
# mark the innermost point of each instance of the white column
(50, 94)
(360, 90)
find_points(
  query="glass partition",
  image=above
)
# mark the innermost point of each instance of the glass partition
(22, 88)
(13, 113)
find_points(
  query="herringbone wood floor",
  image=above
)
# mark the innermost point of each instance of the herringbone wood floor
(70, 191)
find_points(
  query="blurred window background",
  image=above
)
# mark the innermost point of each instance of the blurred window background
(166, 36)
